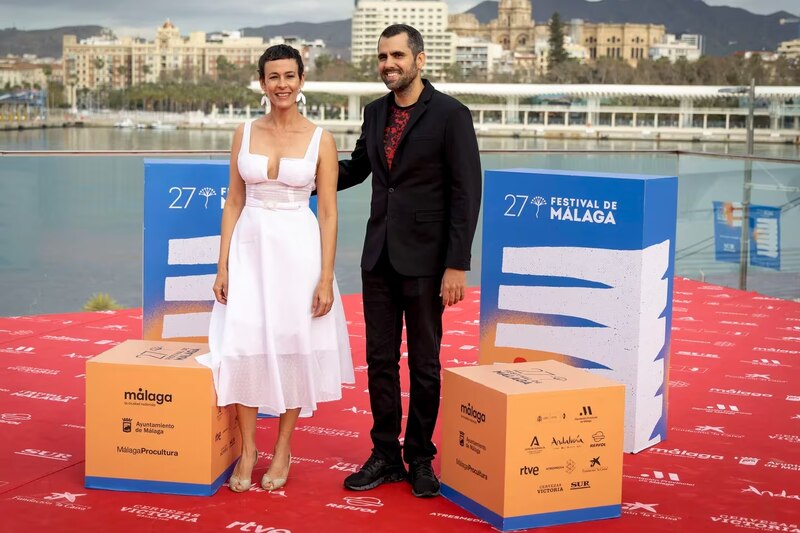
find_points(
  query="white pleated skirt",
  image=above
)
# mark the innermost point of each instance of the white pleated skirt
(266, 349)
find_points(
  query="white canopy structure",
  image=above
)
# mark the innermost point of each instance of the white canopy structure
(586, 106)
(524, 90)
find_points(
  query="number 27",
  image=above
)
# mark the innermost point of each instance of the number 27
(180, 191)
(524, 201)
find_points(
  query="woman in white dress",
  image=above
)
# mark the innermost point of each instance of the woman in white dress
(278, 335)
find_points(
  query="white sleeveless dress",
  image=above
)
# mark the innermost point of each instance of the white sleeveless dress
(266, 349)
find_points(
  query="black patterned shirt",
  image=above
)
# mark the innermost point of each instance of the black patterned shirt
(395, 124)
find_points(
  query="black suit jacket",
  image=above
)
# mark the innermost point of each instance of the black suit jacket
(425, 210)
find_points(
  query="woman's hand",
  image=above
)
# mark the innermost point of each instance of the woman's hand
(221, 287)
(323, 299)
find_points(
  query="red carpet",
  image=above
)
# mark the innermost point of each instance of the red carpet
(732, 458)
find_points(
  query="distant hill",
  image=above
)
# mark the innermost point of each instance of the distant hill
(43, 43)
(336, 34)
(726, 29)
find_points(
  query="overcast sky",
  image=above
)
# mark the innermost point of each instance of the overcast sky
(141, 17)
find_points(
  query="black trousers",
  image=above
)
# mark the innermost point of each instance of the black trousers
(388, 297)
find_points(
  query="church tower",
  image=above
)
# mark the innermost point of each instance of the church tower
(514, 27)
(514, 13)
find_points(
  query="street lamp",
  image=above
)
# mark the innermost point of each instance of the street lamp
(748, 177)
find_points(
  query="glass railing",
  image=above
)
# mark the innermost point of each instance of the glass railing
(71, 223)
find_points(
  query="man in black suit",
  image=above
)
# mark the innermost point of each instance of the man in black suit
(420, 147)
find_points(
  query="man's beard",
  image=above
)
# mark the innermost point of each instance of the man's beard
(403, 81)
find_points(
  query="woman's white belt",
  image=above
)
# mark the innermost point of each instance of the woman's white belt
(268, 204)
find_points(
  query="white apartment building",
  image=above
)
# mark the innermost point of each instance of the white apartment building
(106, 61)
(309, 50)
(371, 17)
(480, 58)
(687, 47)
(790, 49)
(21, 74)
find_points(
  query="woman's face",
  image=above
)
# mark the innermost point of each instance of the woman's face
(281, 82)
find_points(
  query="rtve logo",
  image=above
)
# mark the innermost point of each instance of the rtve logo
(529, 471)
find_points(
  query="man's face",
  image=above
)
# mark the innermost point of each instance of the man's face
(397, 65)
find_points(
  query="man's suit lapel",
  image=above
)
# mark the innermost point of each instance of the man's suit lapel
(383, 113)
(417, 111)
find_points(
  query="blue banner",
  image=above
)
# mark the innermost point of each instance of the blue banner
(578, 268)
(183, 202)
(765, 233)
(727, 231)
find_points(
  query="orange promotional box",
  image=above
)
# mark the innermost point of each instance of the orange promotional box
(532, 444)
(152, 423)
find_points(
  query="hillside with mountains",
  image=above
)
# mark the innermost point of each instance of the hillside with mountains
(43, 43)
(726, 29)
(336, 34)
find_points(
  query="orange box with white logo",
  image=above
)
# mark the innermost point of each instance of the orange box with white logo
(152, 423)
(532, 444)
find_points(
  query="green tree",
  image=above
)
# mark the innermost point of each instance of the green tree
(558, 55)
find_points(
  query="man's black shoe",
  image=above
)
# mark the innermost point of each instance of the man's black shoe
(423, 481)
(375, 472)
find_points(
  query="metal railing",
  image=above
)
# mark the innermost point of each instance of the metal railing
(71, 221)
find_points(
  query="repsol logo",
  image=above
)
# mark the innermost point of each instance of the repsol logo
(473, 413)
(147, 396)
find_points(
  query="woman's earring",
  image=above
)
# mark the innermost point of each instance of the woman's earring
(301, 98)
(265, 103)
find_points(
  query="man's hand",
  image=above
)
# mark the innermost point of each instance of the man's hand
(454, 286)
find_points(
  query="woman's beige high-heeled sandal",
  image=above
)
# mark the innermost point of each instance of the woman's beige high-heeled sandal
(237, 484)
(278, 482)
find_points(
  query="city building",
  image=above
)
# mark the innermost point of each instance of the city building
(515, 29)
(477, 58)
(790, 49)
(309, 50)
(630, 42)
(673, 48)
(371, 17)
(106, 61)
(28, 71)
(22, 75)
(696, 40)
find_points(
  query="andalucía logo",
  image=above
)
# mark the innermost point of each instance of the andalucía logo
(770, 494)
(567, 442)
(144, 395)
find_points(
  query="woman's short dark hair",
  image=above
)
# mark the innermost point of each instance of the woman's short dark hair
(276, 52)
(414, 37)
